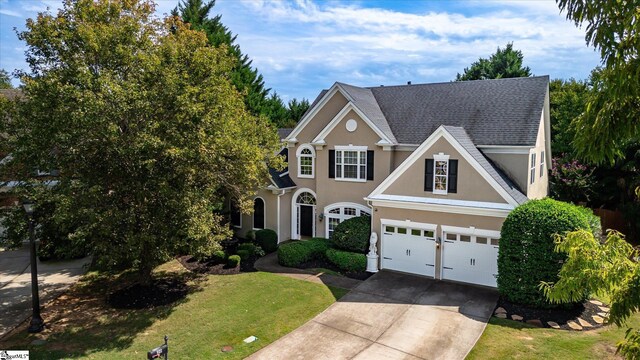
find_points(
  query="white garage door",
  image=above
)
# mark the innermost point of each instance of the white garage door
(409, 248)
(470, 257)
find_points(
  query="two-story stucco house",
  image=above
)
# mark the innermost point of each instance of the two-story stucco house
(437, 167)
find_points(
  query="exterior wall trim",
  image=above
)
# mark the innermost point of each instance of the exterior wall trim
(408, 223)
(320, 138)
(294, 212)
(452, 209)
(471, 231)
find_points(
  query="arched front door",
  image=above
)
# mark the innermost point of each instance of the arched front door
(304, 215)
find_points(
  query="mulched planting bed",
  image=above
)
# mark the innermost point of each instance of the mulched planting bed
(160, 292)
(321, 263)
(207, 267)
(561, 316)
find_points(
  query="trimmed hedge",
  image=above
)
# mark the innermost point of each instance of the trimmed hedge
(527, 250)
(353, 234)
(244, 254)
(233, 261)
(218, 256)
(295, 253)
(268, 240)
(248, 247)
(346, 260)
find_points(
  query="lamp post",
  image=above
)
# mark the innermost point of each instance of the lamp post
(37, 324)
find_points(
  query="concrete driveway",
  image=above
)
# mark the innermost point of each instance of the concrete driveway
(392, 316)
(15, 284)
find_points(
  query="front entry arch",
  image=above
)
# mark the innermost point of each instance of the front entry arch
(303, 214)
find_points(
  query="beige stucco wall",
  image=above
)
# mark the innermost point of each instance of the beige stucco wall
(515, 166)
(270, 209)
(322, 118)
(471, 185)
(540, 186)
(399, 156)
(432, 217)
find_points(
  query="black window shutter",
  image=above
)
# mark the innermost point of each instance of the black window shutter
(369, 164)
(332, 164)
(453, 176)
(428, 175)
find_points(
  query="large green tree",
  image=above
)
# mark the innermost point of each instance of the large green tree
(245, 77)
(610, 120)
(504, 63)
(146, 130)
(5, 80)
(567, 100)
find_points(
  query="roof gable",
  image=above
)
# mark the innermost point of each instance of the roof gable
(462, 145)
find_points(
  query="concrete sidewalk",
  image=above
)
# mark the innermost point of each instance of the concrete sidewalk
(15, 284)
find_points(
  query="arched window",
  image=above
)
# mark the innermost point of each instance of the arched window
(339, 212)
(306, 155)
(258, 213)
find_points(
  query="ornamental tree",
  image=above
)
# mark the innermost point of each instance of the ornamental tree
(147, 132)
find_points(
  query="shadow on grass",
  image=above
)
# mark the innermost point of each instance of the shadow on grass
(82, 322)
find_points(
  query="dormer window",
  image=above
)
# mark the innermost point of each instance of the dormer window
(306, 155)
(441, 175)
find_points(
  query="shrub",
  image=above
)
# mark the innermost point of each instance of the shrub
(346, 260)
(251, 235)
(233, 261)
(244, 254)
(353, 234)
(248, 247)
(526, 256)
(268, 240)
(218, 256)
(295, 253)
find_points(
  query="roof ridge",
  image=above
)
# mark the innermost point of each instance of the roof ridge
(450, 82)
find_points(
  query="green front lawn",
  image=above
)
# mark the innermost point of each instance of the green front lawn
(506, 339)
(224, 311)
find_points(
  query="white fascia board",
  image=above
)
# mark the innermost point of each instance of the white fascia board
(284, 173)
(408, 223)
(320, 138)
(450, 209)
(444, 201)
(422, 149)
(291, 138)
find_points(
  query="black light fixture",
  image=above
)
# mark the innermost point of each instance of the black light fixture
(37, 324)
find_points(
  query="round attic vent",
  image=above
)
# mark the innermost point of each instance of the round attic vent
(352, 125)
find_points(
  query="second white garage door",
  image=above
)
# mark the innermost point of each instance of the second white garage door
(470, 256)
(409, 247)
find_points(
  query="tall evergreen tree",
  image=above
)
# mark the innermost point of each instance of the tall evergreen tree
(245, 78)
(5, 80)
(505, 63)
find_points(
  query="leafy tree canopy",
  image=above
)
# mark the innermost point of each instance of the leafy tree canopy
(567, 100)
(144, 127)
(5, 80)
(505, 63)
(246, 78)
(610, 120)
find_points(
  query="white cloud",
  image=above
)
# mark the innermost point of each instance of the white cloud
(10, 13)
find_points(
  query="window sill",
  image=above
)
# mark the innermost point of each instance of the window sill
(351, 180)
(439, 192)
(305, 176)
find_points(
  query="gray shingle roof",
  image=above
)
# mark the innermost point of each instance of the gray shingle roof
(282, 181)
(284, 132)
(503, 180)
(364, 100)
(494, 112)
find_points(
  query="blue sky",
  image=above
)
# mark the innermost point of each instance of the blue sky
(303, 46)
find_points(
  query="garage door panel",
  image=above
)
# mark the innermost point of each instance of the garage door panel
(406, 249)
(470, 259)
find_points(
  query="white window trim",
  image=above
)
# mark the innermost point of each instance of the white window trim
(436, 158)
(344, 148)
(542, 163)
(341, 205)
(264, 214)
(532, 169)
(295, 233)
(313, 160)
